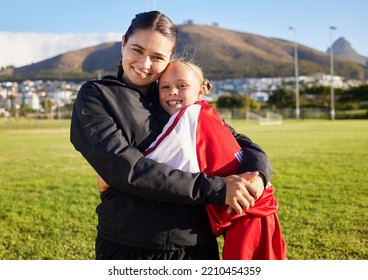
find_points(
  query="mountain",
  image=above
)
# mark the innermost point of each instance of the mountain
(79, 64)
(230, 54)
(343, 48)
(222, 54)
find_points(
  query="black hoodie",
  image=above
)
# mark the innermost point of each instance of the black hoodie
(149, 204)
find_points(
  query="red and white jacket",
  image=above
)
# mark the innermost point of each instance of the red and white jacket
(196, 140)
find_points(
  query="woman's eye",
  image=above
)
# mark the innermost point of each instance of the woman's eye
(138, 51)
(157, 58)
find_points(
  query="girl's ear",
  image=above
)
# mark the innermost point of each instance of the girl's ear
(201, 93)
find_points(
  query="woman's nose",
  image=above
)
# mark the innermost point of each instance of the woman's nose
(146, 62)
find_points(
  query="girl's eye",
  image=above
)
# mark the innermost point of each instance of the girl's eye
(182, 86)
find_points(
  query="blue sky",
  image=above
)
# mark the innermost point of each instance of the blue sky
(270, 18)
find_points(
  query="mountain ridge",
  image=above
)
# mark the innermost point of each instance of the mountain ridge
(341, 47)
(222, 53)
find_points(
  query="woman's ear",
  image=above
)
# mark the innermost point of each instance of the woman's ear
(122, 43)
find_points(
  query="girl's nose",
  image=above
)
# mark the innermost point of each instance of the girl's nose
(173, 91)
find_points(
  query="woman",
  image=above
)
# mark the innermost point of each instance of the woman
(151, 211)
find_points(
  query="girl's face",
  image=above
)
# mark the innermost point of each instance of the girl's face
(178, 87)
(145, 57)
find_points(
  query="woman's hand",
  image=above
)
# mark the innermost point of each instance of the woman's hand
(237, 195)
(256, 187)
(242, 191)
(101, 184)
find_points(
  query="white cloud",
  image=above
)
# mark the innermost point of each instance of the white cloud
(19, 49)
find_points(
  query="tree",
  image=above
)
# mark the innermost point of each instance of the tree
(353, 98)
(282, 98)
(238, 101)
(47, 104)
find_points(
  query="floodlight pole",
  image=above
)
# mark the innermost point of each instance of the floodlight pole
(332, 76)
(153, 4)
(297, 110)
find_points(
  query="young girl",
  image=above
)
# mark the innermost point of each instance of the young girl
(196, 139)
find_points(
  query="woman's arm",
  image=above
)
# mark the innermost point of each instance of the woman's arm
(255, 159)
(95, 133)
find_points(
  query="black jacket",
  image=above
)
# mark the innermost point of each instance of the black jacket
(149, 204)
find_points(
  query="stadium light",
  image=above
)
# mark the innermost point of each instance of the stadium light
(297, 110)
(153, 4)
(332, 76)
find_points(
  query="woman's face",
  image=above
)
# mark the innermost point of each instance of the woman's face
(178, 87)
(145, 57)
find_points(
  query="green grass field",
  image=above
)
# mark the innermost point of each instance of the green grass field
(48, 192)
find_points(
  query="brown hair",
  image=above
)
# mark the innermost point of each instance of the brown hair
(155, 21)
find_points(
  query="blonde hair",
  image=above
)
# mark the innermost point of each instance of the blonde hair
(206, 84)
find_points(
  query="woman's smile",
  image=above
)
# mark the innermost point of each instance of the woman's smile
(140, 73)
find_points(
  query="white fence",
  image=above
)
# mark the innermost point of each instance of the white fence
(275, 115)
